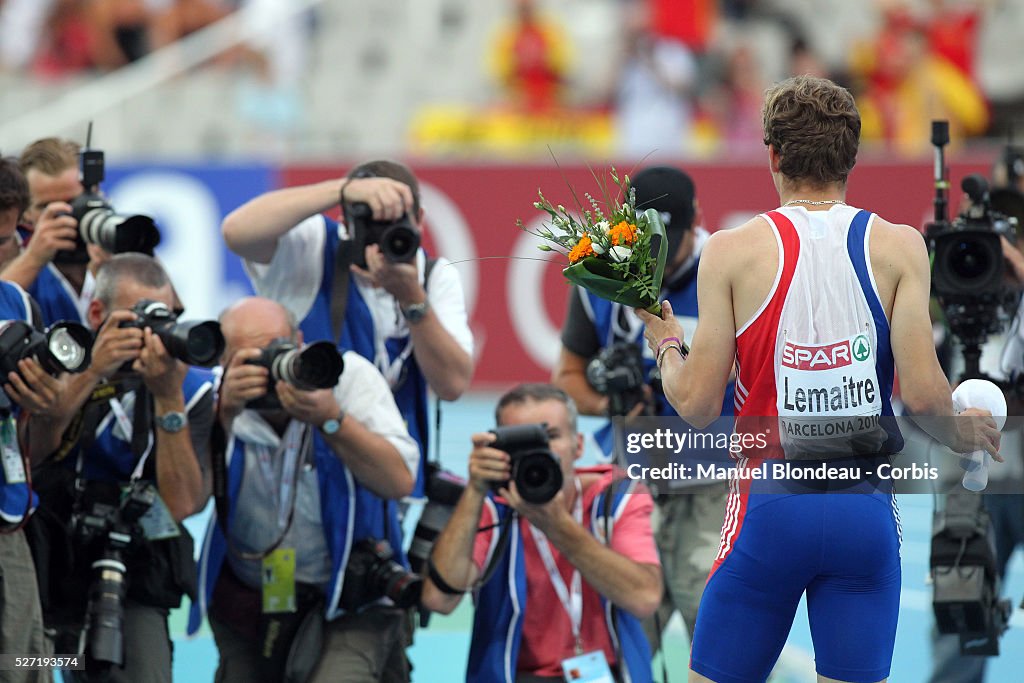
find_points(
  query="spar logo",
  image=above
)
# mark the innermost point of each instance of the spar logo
(826, 357)
(861, 348)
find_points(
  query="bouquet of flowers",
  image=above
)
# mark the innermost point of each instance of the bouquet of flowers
(613, 251)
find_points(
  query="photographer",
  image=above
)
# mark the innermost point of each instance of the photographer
(404, 313)
(548, 601)
(63, 288)
(34, 394)
(313, 475)
(689, 515)
(138, 415)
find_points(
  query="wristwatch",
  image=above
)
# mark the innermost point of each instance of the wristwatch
(416, 312)
(172, 423)
(334, 424)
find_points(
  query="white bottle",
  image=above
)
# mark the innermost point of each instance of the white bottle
(979, 393)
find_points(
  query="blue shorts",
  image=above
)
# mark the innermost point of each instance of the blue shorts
(842, 549)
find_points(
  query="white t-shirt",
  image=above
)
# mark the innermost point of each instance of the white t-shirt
(294, 275)
(364, 396)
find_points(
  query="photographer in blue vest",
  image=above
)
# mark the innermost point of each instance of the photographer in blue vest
(688, 514)
(307, 560)
(62, 284)
(125, 461)
(572, 576)
(29, 395)
(365, 285)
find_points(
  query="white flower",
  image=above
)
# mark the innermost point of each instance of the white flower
(620, 254)
(602, 228)
(598, 249)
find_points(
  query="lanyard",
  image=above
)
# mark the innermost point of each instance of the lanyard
(571, 597)
(126, 427)
(291, 446)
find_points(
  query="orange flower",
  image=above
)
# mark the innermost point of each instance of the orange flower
(582, 250)
(623, 234)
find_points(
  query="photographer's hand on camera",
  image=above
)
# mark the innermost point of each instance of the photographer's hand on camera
(162, 373)
(400, 280)
(243, 382)
(487, 465)
(115, 345)
(312, 407)
(54, 230)
(35, 390)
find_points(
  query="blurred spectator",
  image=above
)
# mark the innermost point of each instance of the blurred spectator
(690, 21)
(952, 29)
(182, 17)
(66, 44)
(803, 61)
(653, 103)
(529, 56)
(735, 104)
(21, 28)
(906, 86)
(121, 30)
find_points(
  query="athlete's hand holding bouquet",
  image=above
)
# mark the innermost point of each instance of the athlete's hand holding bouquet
(615, 250)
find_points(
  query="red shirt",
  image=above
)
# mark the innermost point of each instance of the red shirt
(547, 631)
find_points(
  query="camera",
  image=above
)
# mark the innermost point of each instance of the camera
(99, 223)
(316, 366)
(196, 342)
(372, 573)
(399, 240)
(113, 529)
(536, 471)
(966, 583)
(64, 347)
(443, 490)
(968, 270)
(618, 373)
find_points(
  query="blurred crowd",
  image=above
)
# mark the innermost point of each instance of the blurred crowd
(694, 71)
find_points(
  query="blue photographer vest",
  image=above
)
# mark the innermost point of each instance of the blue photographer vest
(359, 335)
(349, 513)
(109, 457)
(605, 316)
(55, 297)
(500, 606)
(15, 498)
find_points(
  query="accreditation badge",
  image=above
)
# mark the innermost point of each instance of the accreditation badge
(14, 466)
(279, 581)
(589, 667)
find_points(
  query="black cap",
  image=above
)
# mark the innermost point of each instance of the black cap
(671, 193)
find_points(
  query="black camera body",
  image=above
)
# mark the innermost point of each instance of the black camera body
(316, 366)
(372, 573)
(966, 598)
(64, 347)
(618, 373)
(968, 268)
(195, 342)
(399, 240)
(536, 471)
(112, 530)
(99, 223)
(443, 490)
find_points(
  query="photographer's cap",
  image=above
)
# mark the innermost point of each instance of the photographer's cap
(670, 192)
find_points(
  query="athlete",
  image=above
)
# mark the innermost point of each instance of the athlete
(818, 303)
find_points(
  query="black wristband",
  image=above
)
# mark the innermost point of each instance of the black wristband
(441, 584)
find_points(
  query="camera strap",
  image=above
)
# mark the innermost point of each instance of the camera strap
(339, 286)
(136, 431)
(571, 597)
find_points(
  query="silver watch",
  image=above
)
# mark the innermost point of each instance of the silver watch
(416, 312)
(172, 422)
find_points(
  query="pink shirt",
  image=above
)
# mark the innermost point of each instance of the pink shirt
(547, 631)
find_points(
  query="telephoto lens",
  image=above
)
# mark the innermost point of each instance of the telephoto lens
(196, 342)
(104, 619)
(316, 366)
